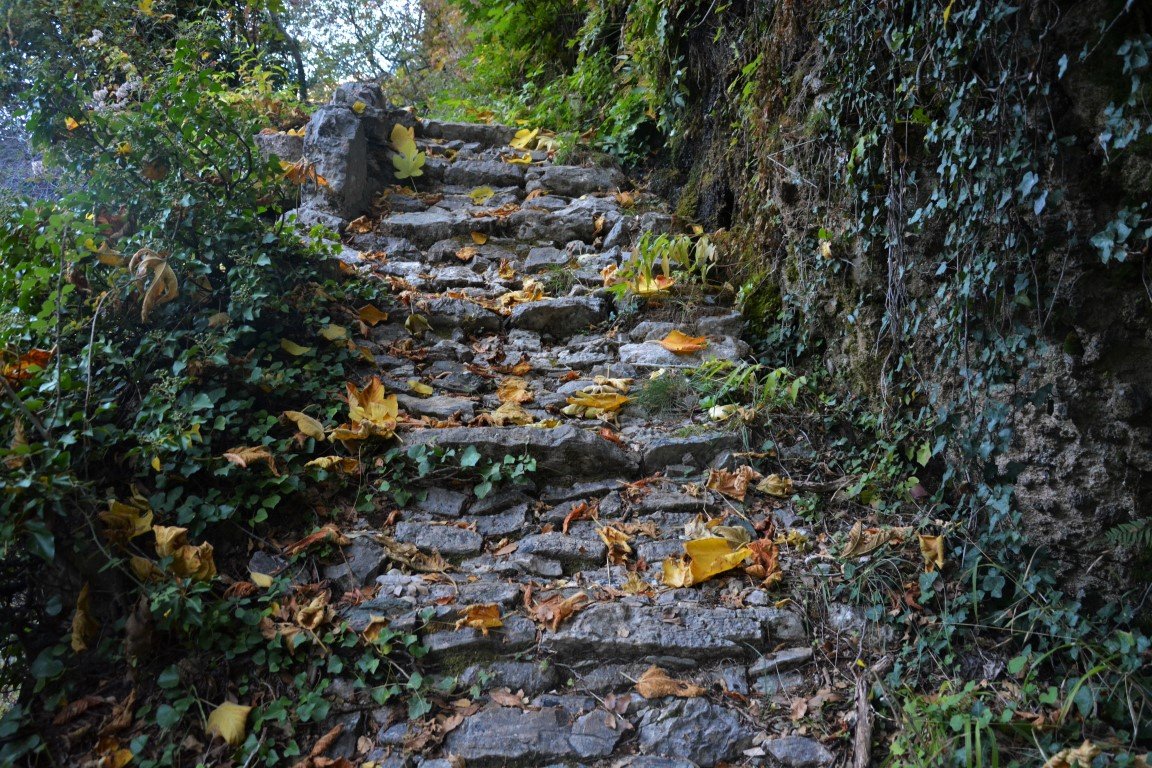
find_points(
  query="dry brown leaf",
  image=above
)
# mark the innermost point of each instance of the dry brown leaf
(634, 585)
(247, 455)
(360, 226)
(74, 709)
(164, 286)
(655, 683)
(1074, 757)
(507, 415)
(863, 541)
(767, 565)
(315, 614)
(371, 316)
(482, 617)
(732, 484)
(617, 543)
(554, 610)
(580, 511)
(514, 390)
(329, 534)
(505, 698)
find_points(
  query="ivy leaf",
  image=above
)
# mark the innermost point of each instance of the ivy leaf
(481, 195)
(470, 457)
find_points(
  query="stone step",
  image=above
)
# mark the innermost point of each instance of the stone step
(621, 630)
(562, 452)
(487, 134)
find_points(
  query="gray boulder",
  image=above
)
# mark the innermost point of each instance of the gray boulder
(335, 141)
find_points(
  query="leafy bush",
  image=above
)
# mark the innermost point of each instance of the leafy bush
(158, 319)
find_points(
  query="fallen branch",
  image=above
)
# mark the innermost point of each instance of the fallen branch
(862, 748)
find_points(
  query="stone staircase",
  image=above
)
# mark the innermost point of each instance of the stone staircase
(537, 695)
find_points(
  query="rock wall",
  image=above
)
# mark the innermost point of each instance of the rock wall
(1071, 376)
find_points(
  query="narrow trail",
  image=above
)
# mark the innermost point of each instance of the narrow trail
(579, 624)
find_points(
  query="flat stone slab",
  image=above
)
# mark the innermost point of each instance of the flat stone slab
(560, 546)
(799, 752)
(507, 735)
(445, 539)
(649, 354)
(563, 452)
(619, 630)
(562, 317)
(694, 450)
(694, 729)
(441, 407)
(574, 180)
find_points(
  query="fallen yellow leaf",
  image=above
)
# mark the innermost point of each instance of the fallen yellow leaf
(334, 332)
(293, 348)
(774, 485)
(481, 195)
(169, 538)
(509, 415)
(345, 464)
(524, 138)
(683, 344)
(370, 412)
(677, 572)
(127, 520)
(606, 402)
(229, 721)
(307, 425)
(655, 286)
(420, 388)
(194, 562)
(514, 390)
(712, 556)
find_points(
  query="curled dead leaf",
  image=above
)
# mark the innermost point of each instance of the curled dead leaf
(482, 617)
(245, 456)
(932, 551)
(84, 627)
(655, 683)
(683, 344)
